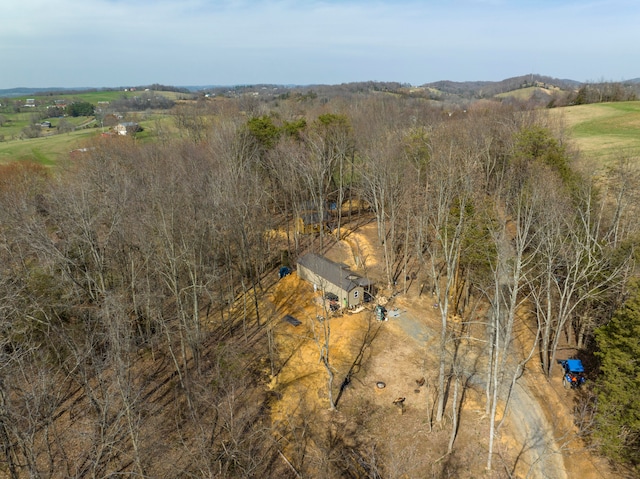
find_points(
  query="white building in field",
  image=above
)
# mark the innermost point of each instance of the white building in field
(126, 128)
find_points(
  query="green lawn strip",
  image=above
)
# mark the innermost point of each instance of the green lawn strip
(621, 120)
(95, 96)
(42, 159)
(606, 131)
(45, 150)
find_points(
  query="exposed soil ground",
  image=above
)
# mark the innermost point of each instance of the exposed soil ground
(538, 438)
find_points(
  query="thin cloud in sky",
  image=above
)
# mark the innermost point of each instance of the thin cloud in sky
(197, 42)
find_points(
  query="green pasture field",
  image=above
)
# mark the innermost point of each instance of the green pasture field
(46, 150)
(155, 125)
(93, 96)
(54, 147)
(604, 132)
(14, 124)
(12, 129)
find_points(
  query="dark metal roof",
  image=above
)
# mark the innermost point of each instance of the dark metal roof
(335, 273)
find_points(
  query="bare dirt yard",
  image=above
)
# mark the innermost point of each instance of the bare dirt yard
(389, 360)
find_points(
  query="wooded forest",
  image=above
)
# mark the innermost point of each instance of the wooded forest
(135, 337)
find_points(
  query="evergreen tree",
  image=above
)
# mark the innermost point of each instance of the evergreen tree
(582, 96)
(80, 108)
(264, 130)
(537, 143)
(618, 387)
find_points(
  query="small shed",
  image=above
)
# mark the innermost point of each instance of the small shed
(331, 277)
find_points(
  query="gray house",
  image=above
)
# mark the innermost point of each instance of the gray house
(333, 278)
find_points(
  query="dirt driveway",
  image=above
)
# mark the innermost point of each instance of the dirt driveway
(528, 436)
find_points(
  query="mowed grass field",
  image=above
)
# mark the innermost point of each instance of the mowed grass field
(604, 132)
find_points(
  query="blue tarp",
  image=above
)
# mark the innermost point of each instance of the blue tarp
(284, 271)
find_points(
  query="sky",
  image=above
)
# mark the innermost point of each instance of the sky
(117, 43)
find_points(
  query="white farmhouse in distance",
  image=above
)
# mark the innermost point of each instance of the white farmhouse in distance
(126, 128)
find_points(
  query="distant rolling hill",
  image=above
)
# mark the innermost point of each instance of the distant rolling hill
(530, 85)
(537, 90)
(492, 88)
(13, 92)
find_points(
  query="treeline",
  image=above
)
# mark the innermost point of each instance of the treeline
(146, 100)
(605, 92)
(134, 337)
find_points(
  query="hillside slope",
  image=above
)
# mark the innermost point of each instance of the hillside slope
(538, 439)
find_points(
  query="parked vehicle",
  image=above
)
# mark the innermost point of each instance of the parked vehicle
(573, 373)
(331, 296)
(332, 301)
